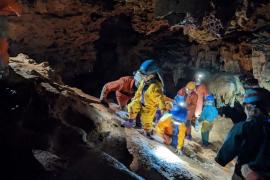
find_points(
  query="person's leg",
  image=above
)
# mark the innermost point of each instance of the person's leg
(188, 130)
(181, 136)
(133, 109)
(157, 116)
(164, 129)
(147, 117)
(138, 121)
(206, 128)
(205, 136)
(237, 175)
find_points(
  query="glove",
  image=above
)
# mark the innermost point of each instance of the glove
(122, 114)
(105, 103)
(129, 123)
(179, 152)
(197, 125)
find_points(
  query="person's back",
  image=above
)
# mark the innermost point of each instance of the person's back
(261, 164)
(150, 91)
(249, 140)
(209, 113)
(244, 141)
(191, 101)
(124, 89)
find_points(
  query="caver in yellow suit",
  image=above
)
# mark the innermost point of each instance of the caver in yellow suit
(171, 127)
(148, 98)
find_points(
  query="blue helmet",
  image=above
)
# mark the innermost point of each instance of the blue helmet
(179, 114)
(210, 97)
(209, 100)
(251, 96)
(179, 101)
(149, 67)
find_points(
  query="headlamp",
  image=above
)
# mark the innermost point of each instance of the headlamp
(182, 104)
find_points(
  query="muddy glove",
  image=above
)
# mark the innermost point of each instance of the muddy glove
(129, 123)
(179, 152)
(105, 103)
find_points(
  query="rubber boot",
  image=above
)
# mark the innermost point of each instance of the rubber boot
(205, 137)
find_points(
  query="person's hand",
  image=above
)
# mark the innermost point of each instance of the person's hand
(179, 152)
(105, 103)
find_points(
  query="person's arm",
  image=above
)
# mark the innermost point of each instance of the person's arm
(138, 93)
(201, 92)
(231, 145)
(110, 87)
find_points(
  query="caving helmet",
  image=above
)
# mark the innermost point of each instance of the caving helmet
(199, 76)
(149, 67)
(209, 100)
(179, 113)
(179, 101)
(251, 96)
(191, 86)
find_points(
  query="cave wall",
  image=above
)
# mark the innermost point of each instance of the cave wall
(178, 9)
(64, 32)
(241, 47)
(83, 40)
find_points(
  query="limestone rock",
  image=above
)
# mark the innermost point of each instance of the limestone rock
(227, 89)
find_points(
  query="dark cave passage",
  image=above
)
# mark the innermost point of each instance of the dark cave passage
(114, 55)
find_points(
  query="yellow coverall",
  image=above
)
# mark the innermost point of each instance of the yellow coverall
(165, 127)
(146, 101)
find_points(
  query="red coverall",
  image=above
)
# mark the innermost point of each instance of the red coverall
(191, 101)
(123, 88)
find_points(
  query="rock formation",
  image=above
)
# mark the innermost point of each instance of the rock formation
(66, 134)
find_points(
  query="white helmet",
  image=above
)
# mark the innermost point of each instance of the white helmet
(199, 76)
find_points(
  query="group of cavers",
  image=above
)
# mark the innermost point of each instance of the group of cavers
(170, 120)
